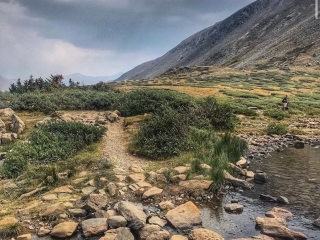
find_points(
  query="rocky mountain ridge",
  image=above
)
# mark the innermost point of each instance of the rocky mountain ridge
(265, 34)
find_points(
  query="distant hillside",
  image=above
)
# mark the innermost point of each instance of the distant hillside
(5, 83)
(264, 34)
(88, 80)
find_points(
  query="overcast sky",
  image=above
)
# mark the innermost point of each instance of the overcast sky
(97, 37)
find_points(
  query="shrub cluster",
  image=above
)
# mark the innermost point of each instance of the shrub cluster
(277, 128)
(51, 142)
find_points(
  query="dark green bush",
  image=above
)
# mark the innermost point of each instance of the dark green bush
(277, 114)
(51, 142)
(277, 128)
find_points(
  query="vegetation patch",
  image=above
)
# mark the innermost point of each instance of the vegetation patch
(277, 128)
(51, 142)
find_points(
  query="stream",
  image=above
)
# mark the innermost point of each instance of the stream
(293, 173)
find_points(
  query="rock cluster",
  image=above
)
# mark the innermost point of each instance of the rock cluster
(14, 123)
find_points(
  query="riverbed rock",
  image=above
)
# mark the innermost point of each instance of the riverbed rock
(112, 189)
(134, 215)
(43, 231)
(136, 169)
(242, 163)
(281, 232)
(157, 221)
(122, 233)
(64, 229)
(88, 190)
(117, 221)
(178, 237)
(17, 125)
(202, 233)
(234, 208)
(49, 197)
(152, 192)
(299, 145)
(24, 237)
(77, 212)
(167, 205)
(95, 202)
(52, 210)
(184, 216)
(259, 237)
(260, 176)
(153, 232)
(94, 226)
(236, 182)
(271, 221)
(279, 213)
(63, 189)
(268, 198)
(316, 222)
(283, 200)
(196, 184)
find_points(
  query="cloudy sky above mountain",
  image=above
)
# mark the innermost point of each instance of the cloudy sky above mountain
(97, 37)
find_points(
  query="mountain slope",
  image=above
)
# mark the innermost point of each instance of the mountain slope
(264, 34)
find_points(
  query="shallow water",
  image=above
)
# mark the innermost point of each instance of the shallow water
(293, 173)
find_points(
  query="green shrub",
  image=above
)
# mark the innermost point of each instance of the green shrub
(51, 142)
(276, 128)
(277, 114)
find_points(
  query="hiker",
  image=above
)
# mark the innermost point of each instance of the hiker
(285, 103)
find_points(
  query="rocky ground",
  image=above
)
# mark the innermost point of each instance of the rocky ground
(102, 202)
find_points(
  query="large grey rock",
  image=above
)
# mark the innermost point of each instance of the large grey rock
(260, 176)
(134, 215)
(282, 199)
(117, 221)
(77, 212)
(234, 208)
(153, 232)
(95, 202)
(238, 182)
(112, 189)
(94, 226)
(17, 125)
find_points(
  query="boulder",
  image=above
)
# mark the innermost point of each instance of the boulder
(299, 145)
(49, 197)
(63, 189)
(134, 215)
(6, 138)
(179, 177)
(112, 189)
(95, 202)
(52, 210)
(157, 221)
(282, 199)
(118, 234)
(271, 221)
(136, 177)
(259, 237)
(178, 237)
(17, 125)
(64, 229)
(112, 116)
(268, 198)
(196, 184)
(6, 112)
(279, 213)
(236, 182)
(234, 208)
(282, 232)
(88, 190)
(242, 163)
(153, 232)
(184, 216)
(24, 237)
(77, 212)
(202, 233)
(260, 176)
(181, 169)
(94, 226)
(43, 231)
(167, 205)
(117, 221)
(316, 222)
(152, 192)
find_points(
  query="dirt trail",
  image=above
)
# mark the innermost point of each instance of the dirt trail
(115, 147)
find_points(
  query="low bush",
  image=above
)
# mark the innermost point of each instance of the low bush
(51, 142)
(277, 114)
(276, 128)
